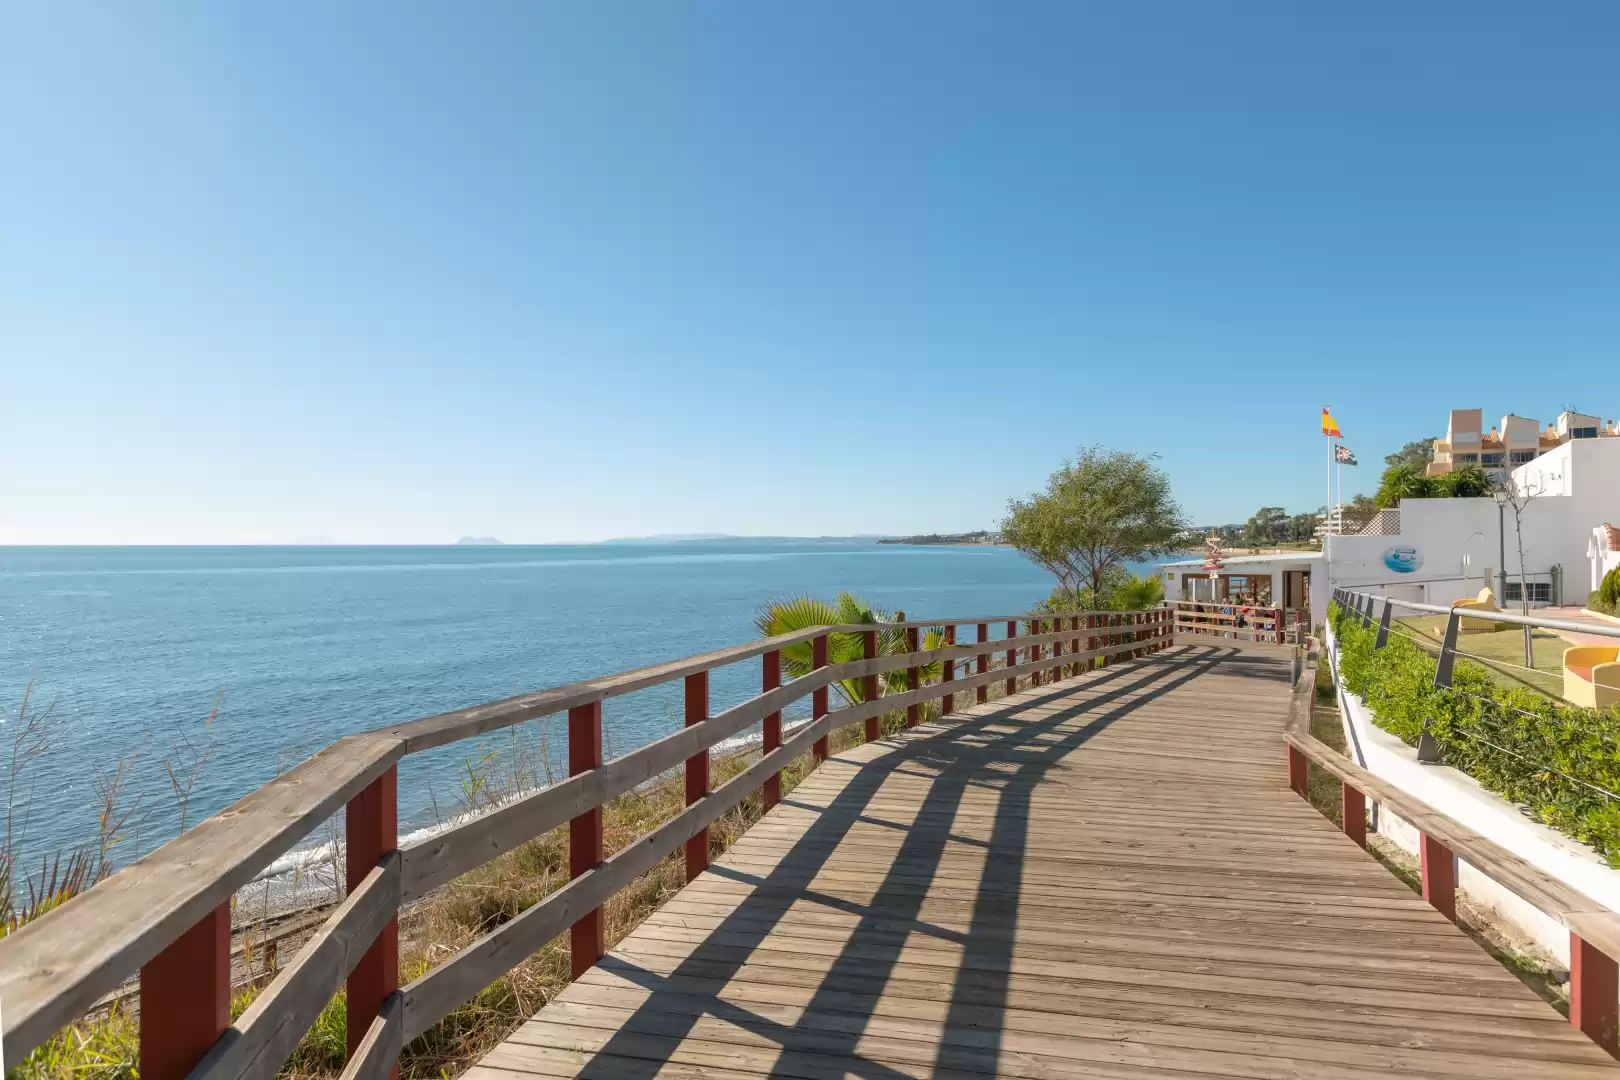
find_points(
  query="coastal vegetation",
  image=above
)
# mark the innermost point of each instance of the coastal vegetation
(928, 539)
(802, 612)
(1099, 512)
(1554, 760)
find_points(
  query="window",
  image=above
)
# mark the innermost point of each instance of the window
(1583, 433)
(1523, 457)
(1540, 592)
(1465, 459)
(1490, 459)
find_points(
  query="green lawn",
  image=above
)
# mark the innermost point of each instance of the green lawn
(1506, 646)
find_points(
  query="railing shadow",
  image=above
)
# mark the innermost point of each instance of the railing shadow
(972, 754)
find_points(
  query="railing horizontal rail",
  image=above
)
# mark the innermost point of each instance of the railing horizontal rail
(1504, 617)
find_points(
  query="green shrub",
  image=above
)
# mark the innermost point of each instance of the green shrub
(1606, 598)
(1535, 752)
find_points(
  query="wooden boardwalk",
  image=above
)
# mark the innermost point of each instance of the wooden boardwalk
(1105, 878)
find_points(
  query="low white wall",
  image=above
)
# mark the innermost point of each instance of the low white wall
(1461, 798)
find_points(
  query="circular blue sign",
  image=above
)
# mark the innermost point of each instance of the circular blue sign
(1403, 560)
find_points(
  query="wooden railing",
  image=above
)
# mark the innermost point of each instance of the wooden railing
(1594, 930)
(168, 916)
(1232, 619)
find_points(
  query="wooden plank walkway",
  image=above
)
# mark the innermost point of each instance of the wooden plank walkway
(1106, 878)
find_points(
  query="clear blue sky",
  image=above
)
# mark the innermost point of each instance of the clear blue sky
(401, 272)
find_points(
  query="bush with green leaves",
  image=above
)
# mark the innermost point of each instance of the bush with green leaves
(1606, 597)
(1553, 760)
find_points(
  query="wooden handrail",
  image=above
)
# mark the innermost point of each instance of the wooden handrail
(1594, 928)
(55, 968)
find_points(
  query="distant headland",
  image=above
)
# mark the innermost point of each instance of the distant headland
(981, 537)
(480, 541)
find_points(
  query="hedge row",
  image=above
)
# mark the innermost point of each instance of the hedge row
(1535, 739)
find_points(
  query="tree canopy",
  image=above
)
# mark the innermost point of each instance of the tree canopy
(1417, 454)
(1406, 481)
(1099, 512)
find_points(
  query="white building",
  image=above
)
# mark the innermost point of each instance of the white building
(1447, 549)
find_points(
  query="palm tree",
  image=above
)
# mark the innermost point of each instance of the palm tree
(803, 612)
(1468, 482)
(1404, 482)
(1137, 594)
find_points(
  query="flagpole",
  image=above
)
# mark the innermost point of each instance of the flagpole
(1328, 521)
(1339, 463)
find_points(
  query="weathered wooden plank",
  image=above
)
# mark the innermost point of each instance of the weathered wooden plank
(264, 1036)
(377, 1053)
(53, 969)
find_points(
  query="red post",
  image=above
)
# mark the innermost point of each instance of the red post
(1012, 658)
(1353, 808)
(1074, 644)
(771, 791)
(371, 830)
(1298, 769)
(587, 938)
(869, 683)
(1057, 650)
(697, 772)
(982, 694)
(1593, 982)
(1091, 643)
(1439, 876)
(186, 997)
(913, 677)
(1036, 652)
(818, 697)
(948, 702)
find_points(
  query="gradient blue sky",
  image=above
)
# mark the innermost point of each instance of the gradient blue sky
(401, 272)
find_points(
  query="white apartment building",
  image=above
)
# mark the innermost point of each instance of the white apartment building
(1516, 441)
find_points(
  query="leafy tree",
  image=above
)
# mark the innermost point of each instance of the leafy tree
(1356, 513)
(1301, 527)
(1099, 512)
(1269, 523)
(1468, 482)
(1416, 454)
(802, 612)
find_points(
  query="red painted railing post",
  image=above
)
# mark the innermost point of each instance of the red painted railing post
(1439, 876)
(1298, 770)
(869, 683)
(371, 830)
(1036, 652)
(982, 694)
(1091, 643)
(1594, 982)
(1353, 808)
(1012, 658)
(1057, 650)
(771, 791)
(697, 772)
(1074, 645)
(913, 677)
(818, 697)
(948, 702)
(587, 938)
(186, 997)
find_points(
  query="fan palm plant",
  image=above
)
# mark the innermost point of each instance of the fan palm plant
(1137, 594)
(797, 613)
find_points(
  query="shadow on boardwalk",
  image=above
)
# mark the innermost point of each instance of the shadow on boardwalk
(970, 754)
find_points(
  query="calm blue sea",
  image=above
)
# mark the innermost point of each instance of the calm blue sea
(131, 648)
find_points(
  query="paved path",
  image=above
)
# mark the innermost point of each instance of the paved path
(1106, 878)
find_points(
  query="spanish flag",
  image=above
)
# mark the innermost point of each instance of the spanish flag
(1330, 426)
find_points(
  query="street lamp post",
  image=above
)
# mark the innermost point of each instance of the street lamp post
(1501, 547)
